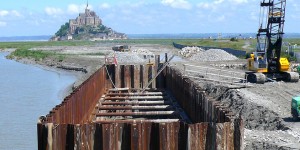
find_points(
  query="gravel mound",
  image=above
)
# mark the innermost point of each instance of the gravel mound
(213, 55)
(142, 52)
(127, 58)
(190, 51)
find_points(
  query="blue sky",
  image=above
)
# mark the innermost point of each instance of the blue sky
(39, 17)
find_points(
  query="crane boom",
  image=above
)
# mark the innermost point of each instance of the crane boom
(271, 32)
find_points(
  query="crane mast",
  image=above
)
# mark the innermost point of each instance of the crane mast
(270, 33)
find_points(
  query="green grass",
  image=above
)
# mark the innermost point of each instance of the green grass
(25, 53)
(60, 57)
(191, 42)
(28, 45)
(36, 55)
(224, 43)
(40, 55)
(293, 41)
(233, 44)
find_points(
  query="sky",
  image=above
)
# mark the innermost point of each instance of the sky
(41, 17)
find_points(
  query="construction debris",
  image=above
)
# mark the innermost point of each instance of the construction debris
(213, 55)
(127, 58)
(141, 51)
(199, 54)
(189, 51)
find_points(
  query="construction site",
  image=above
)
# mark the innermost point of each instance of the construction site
(151, 96)
(172, 103)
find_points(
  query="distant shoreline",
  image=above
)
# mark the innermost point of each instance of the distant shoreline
(149, 36)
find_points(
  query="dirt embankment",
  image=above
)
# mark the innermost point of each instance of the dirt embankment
(267, 122)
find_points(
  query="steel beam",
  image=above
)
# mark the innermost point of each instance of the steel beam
(136, 98)
(152, 113)
(118, 89)
(138, 121)
(163, 107)
(137, 103)
(137, 94)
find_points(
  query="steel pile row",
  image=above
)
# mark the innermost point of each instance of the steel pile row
(201, 108)
(137, 136)
(134, 76)
(77, 107)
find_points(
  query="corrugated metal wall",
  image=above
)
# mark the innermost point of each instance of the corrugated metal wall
(69, 125)
(139, 136)
(77, 107)
(202, 108)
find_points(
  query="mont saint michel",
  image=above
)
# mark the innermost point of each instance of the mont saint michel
(87, 26)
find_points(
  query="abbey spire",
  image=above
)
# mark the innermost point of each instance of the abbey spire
(87, 4)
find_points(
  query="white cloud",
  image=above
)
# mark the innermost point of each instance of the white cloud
(105, 6)
(75, 9)
(181, 4)
(16, 13)
(205, 5)
(4, 12)
(12, 13)
(239, 1)
(138, 4)
(210, 5)
(221, 18)
(2, 24)
(51, 11)
(218, 1)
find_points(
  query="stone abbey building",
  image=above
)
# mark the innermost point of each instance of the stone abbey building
(93, 32)
(87, 18)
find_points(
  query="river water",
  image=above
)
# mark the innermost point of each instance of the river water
(26, 92)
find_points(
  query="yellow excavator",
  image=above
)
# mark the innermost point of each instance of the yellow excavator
(266, 63)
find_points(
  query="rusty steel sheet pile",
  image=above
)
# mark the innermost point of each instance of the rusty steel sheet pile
(77, 107)
(110, 112)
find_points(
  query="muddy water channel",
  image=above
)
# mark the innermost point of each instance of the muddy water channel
(26, 92)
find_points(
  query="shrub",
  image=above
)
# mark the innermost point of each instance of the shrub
(234, 39)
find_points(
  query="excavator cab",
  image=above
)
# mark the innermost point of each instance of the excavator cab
(257, 62)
